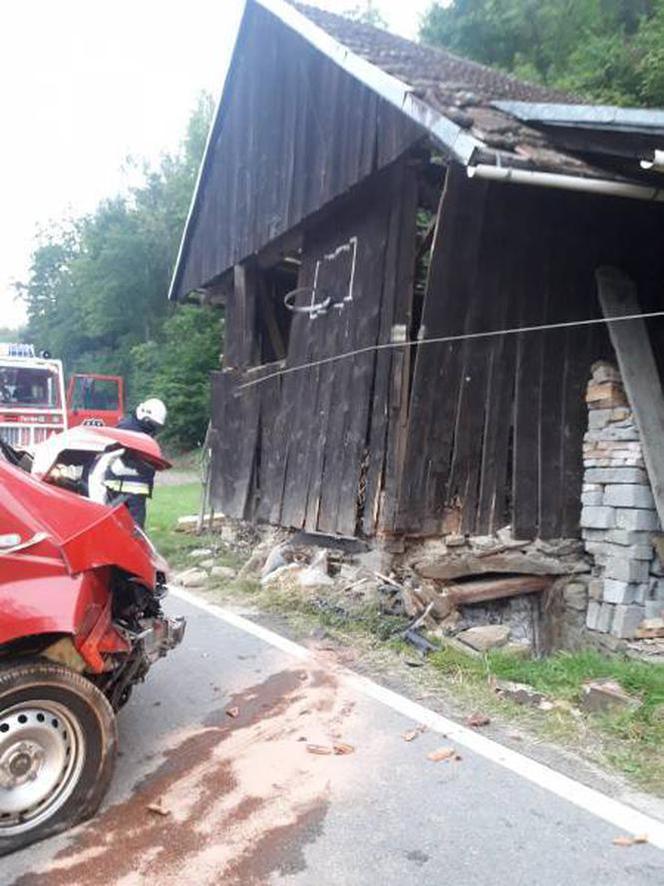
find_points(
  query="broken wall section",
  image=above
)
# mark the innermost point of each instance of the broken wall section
(620, 526)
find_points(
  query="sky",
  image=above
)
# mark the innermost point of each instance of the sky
(85, 84)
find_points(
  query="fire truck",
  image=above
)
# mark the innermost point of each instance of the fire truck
(34, 402)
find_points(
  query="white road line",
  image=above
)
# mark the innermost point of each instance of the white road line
(623, 817)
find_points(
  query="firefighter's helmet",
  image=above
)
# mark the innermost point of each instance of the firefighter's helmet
(152, 412)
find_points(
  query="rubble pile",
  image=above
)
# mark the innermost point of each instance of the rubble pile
(620, 526)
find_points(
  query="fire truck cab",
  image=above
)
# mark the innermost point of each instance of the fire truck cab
(34, 403)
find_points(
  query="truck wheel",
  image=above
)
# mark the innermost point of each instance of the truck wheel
(58, 739)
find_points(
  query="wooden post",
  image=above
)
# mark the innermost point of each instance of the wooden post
(631, 342)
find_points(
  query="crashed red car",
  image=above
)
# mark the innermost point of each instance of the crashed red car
(80, 624)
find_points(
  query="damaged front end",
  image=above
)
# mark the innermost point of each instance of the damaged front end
(149, 634)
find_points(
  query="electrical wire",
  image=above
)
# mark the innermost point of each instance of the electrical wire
(439, 340)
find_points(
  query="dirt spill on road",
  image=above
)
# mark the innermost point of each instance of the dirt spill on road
(242, 796)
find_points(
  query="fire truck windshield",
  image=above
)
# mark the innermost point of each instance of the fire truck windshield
(28, 387)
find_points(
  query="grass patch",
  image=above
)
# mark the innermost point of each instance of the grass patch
(167, 504)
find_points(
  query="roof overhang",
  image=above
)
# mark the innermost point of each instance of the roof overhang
(458, 143)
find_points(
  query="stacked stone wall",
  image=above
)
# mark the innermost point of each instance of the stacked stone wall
(619, 520)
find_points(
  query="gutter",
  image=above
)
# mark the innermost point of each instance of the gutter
(605, 187)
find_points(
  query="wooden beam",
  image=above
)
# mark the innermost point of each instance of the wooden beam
(631, 342)
(497, 588)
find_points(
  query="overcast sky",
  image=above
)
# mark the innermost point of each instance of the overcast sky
(86, 83)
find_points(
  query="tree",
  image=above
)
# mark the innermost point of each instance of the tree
(176, 367)
(366, 13)
(96, 291)
(601, 50)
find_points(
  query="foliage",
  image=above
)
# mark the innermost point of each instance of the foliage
(609, 51)
(176, 367)
(366, 13)
(96, 292)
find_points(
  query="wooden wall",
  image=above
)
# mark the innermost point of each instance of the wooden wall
(466, 436)
(309, 449)
(295, 132)
(495, 426)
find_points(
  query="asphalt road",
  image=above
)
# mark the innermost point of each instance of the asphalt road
(221, 738)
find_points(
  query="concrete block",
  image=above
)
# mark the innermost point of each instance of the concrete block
(636, 519)
(594, 534)
(629, 537)
(657, 589)
(592, 616)
(623, 569)
(603, 371)
(596, 588)
(592, 487)
(654, 608)
(626, 620)
(598, 518)
(598, 418)
(592, 499)
(605, 617)
(617, 591)
(629, 552)
(616, 475)
(630, 495)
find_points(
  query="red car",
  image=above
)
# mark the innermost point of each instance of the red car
(80, 624)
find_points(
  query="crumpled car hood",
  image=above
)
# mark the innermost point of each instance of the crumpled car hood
(87, 535)
(92, 439)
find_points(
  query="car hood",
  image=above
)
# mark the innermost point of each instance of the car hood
(87, 535)
(97, 440)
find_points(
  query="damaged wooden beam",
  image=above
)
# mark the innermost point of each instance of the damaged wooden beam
(485, 589)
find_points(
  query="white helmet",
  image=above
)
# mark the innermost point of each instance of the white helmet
(152, 412)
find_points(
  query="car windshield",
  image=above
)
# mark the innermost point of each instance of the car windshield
(29, 386)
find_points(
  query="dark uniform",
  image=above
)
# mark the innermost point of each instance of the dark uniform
(130, 478)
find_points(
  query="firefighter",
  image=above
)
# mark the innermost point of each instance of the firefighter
(129, 476)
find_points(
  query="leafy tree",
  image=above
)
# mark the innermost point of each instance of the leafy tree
(176, 368)
(366, 13)
(96, 291)
(601, 50)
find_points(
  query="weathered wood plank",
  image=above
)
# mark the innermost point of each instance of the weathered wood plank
(618, 298)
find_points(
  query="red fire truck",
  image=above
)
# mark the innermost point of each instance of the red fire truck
(35, 404)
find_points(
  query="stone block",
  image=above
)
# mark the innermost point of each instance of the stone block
(592, 615)
(606, 394)
(629, 495)
(598, 518)
(594, 534)
(626, 620)
(657, 589)
(628, 538)
(606, 696)
(596, 588)
(592, 487)
(605, 617)
(630, 552)
(654, 608)
(635, 519)
(598, 418)
(622, 569)
(592, 499)
(576, 596)
(618, 591)
(485, 637)
(616, 475)
(603, 371)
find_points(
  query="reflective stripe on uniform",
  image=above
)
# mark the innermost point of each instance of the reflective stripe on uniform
(131, 487)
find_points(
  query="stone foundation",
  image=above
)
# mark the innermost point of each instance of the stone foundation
(619, 521)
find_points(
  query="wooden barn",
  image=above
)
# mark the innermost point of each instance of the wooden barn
(360, 190)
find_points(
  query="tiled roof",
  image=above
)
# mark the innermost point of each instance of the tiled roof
(460, 89)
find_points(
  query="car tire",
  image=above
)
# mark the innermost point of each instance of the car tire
(58, 743)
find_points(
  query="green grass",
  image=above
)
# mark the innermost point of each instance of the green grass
(167, 504)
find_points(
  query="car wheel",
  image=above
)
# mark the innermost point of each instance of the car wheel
(58, 739)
